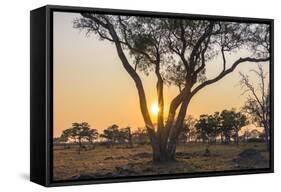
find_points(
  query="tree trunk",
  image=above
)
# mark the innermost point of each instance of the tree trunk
(162, 156)
(142, 97)
(130, 138)
(79, 145)
(227, 137)
(237, 138)
(266, 135)
(175, 131)
(161, 135)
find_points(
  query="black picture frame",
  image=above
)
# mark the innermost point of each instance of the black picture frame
(41, 99)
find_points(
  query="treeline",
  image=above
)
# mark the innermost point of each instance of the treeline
(223, 127)
(220, 127)
(83, 135)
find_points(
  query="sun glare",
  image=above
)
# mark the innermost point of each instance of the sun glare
(154, 108)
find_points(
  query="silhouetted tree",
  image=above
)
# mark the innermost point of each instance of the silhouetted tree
(79, 132)
(140, 136)
(177, 51)
(59, 140)
(187, 129)
(207, 128)
(114, 135)
(258, 101)
(231, 124)
(246, 135)
(126, 135)
(255, 133)
(239, 120)
(91, 136)
(226, 125)
(201, 128)
(214, 122)
(111, 134)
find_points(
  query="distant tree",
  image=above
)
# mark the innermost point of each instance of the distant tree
(262, 134)
(183, 136)
(214, 122)
(111, 134)
(208, 127)
(239, 121)
(258, 102)
(125, 135)
(177, 52)
(121, 136)
(140, 136)
(91, 136)
(130, 136)
(255, 134)
(192, 135)
(69, 135)
(59, 140)
(63, 139)
(187, 129)
(202, 128)
(79, 132)
(246, 135)
(226, 125)
(231, 124)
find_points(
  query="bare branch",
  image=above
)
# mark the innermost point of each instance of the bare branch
(223, 58)
(226, 72)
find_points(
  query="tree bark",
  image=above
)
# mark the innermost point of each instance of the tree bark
(160, 116)
(175, 131)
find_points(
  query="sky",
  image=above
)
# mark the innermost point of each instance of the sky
(91, 85)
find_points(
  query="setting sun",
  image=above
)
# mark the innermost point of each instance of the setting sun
(154, 108)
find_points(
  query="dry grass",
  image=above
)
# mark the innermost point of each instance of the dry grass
(137, 161)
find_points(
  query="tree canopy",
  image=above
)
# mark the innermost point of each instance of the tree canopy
(80, 132)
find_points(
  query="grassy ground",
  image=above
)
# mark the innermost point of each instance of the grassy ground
(123, 161)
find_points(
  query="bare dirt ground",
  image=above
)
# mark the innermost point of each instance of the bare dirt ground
(123, 161)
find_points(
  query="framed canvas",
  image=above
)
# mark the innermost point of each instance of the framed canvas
(119, 95)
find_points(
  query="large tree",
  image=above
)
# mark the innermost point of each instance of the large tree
(177, 52)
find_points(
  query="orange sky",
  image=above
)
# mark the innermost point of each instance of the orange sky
(91, 85)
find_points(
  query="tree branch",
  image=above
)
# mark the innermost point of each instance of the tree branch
(226, 72)
(245, 81)
(194, 51)
(223, 58)
(203, 64)
(126, 42)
